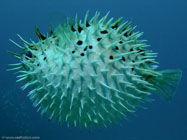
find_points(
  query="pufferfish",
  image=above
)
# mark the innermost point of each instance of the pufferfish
(91, 73)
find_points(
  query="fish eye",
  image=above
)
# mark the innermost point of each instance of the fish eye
(28, 54)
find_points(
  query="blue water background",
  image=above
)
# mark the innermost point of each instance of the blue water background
(164, 25)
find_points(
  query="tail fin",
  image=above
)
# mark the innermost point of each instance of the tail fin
(167, 83)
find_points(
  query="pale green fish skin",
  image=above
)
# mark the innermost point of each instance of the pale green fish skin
(92, 73)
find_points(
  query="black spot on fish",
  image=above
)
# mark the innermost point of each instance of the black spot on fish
(98, 39)
(111, 57)
(79, 29)
(72, 28)
(115, 26)
(39, 35)
(87, 24)
(123, 58)
(126, 34)
(90, 47)
(79, 42)
(104, 32)
(85, 48)
(73, 51)
(139, 50)
(148, 62)
(82, 54)
(117, 48)
(44, 58)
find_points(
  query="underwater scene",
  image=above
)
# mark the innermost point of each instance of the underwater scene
(96, 70)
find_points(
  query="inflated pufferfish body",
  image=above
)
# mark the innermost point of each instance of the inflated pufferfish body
(92, 73)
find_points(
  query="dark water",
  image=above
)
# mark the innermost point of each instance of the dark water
(164, 26)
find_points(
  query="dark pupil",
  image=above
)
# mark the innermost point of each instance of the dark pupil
(29, 54)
